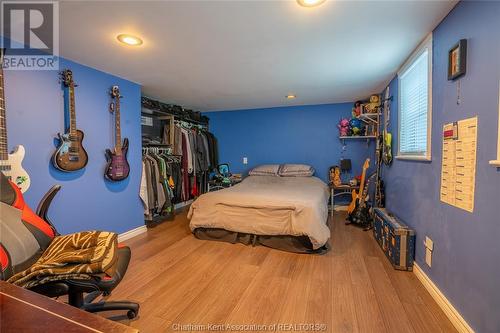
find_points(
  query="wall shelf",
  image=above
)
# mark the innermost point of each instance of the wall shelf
(370, 118)
(358, 137)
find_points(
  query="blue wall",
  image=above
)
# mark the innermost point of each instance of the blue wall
(35, 114)
(466, 264)
(299, 134)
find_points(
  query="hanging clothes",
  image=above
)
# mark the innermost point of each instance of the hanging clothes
(185, 168)
(143, 193)
(180, 175)
(207, 151)
(187, 151)
(198, 150)
(160, 181)
(201, 153)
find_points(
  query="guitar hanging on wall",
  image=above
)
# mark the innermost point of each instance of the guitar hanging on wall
(70, 155)
(10, 164)
(117, 168)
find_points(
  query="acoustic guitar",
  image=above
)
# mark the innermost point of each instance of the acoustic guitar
(117, 168)
(357, 211)
(70, 155)
(10, 164)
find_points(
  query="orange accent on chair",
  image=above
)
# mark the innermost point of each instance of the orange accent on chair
(4, 259)
(29, 216)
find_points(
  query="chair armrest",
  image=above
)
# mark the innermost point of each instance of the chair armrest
(43, 207)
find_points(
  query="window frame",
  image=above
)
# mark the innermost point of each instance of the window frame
(496, 163)
(425, 45)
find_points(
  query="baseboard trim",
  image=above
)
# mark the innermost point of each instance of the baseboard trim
(142, 229)
(453, 315)
(182, 204)
(132, 233)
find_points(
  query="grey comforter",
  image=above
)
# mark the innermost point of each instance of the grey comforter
(267, 205)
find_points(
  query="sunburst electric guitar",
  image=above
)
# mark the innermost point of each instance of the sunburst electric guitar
(10, 164)
(70, 155)
(357, 209)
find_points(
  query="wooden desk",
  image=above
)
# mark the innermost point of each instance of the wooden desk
(336, 191)
(22, 310)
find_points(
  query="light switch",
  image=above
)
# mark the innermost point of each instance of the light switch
(429, 243)
(245, 160)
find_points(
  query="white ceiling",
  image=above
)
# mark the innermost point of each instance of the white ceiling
(224, 55)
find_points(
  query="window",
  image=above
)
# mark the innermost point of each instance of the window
(496, 162)
(415, 104)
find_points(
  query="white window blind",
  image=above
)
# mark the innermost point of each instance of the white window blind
(414, 105)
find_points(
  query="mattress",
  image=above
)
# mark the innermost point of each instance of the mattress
(267, 205)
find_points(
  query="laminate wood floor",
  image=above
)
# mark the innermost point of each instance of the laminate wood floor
(180, 280)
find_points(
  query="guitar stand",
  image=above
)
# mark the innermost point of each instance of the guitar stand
(368, 227)
(365, 226)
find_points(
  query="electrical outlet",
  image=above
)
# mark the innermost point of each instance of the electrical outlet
(429, 247)
(428, 257)
(245, 160)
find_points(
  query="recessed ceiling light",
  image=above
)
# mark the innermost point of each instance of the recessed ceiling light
(310, 3)
(290, 96)
(129, 39)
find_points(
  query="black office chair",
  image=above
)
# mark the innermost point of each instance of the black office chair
(25, 236)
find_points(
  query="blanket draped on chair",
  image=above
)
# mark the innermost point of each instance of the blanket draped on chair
(76, 256)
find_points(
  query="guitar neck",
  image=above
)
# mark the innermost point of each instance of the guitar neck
(118, 132)
(72, 112)
(362, 185)
(4, 152)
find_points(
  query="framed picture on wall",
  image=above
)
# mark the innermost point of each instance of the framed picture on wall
(457, 60)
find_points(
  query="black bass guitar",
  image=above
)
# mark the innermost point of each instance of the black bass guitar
(70, 154)
(117, 168)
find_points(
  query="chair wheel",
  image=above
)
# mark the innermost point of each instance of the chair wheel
(131, 314)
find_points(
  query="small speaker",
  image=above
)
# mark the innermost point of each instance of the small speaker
(345, 164)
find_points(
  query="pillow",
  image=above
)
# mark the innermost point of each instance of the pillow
(265, 170)
(296, 170)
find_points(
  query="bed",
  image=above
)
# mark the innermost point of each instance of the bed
(287, 213)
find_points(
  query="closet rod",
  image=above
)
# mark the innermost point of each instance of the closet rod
(190, 124)
(166, 145)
